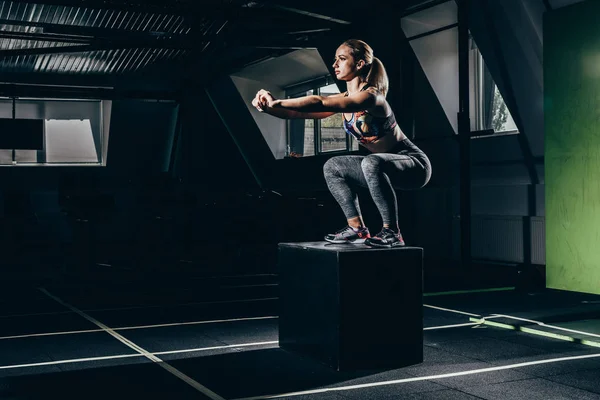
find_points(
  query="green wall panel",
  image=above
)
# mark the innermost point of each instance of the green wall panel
(572, 147)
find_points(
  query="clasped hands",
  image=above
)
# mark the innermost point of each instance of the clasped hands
(264, 99)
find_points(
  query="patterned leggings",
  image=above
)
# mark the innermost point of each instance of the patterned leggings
(380, 173)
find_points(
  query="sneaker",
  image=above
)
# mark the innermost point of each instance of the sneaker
(349, 235)
(386, 238)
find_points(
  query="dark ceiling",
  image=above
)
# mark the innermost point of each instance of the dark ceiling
(100, 38)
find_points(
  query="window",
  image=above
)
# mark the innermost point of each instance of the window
(317, 136)
(73, 131)
(489, 111)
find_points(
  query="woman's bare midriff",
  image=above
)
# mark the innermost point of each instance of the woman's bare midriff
(386, 143)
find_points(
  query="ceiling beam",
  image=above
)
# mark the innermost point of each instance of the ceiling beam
(112, 43)
(286, 22)
(99, 93)
(309, 13)
(31, 84)
(40, 37)
(47, 50)
(79, 30)
(146, 6)
(346, 13)
(421, 5)
(83, 48)
(184, 8)
(291, 41)
(245, 19)
(58, 79)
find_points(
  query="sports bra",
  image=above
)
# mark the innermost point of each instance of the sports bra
(367, 128)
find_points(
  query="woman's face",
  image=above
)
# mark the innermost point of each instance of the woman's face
(344, 65)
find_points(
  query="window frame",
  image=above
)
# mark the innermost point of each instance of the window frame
(478, 68)
(41, 155)
(315, 85)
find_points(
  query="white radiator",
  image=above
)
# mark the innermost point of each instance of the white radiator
(497, 238)
(538, 240)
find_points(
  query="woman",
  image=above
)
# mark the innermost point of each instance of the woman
(394, 159)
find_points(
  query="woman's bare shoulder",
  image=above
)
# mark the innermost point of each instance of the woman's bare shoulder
(381, 105)
(375, 91)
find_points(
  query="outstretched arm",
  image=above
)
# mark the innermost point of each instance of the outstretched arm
(356, 102)
(291, 114)
(264, 98)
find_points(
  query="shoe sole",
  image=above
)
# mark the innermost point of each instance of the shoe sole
(398, 244)
(357, 241)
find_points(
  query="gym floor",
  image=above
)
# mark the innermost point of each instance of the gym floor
(216, 338)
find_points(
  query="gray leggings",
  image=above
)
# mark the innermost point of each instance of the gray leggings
(380, 172)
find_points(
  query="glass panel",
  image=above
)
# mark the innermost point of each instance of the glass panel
(301, 135)
(333, 136)
(301, 139)
(26, 156)
(502, 120)
(329, 89)
(72, 130)
(489, 109)
(309, 137)
(21, 157)
(70, 141)
(6, 157)
(437, 55)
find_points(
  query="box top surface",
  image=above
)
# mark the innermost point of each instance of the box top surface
(344, 247)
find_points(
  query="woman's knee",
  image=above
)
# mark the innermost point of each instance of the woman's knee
(371, 164)
(332, 166)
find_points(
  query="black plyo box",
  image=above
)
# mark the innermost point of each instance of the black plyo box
(351, 307)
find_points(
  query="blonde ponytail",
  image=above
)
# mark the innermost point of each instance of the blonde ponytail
(377, 76)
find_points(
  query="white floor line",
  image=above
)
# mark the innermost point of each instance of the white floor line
(230, 346)
(542, 324)
(450, 310)
(175, 324)
(214, 321)
(451, 326)
(126, 328)
(183, 350)
(32, 335)
(420, 378)
(75, 360)
(196, 385)
(118, 356)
